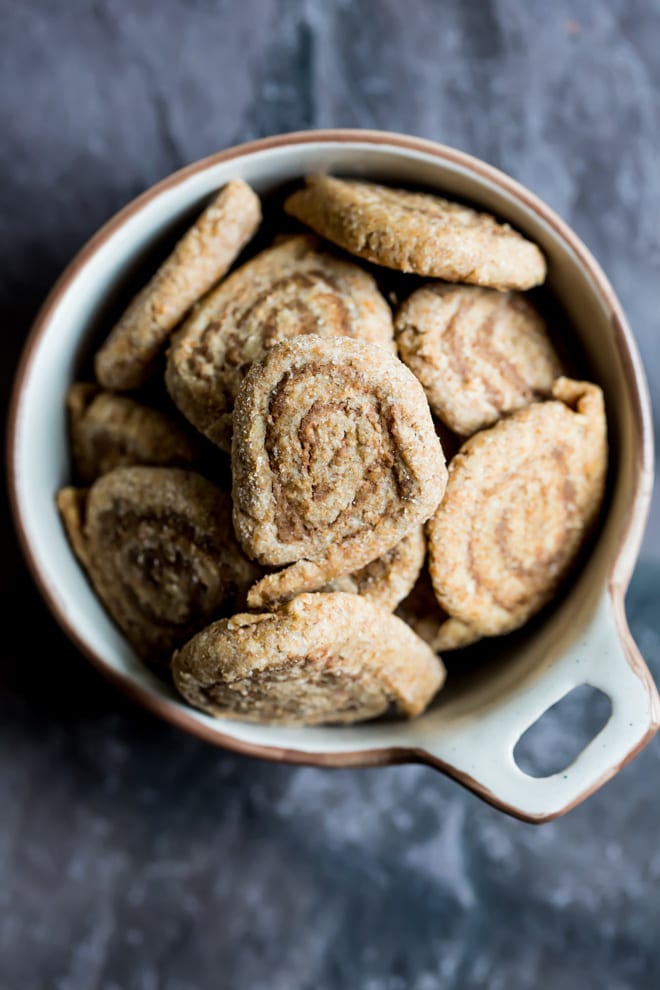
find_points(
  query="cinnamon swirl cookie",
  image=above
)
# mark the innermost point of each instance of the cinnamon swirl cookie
(109, 431)
(319, 659)
(417, 232)
(477, 352)
(159, 549)
(198, 261)
(287, 290)
(520, 499)
(388, 579)
(335, 459)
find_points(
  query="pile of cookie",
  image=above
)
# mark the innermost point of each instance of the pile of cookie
(276, 602)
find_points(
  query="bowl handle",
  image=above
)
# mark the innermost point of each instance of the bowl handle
(603, 656)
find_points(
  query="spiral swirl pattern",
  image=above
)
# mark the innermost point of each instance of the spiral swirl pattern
(478, 353)
(322, 658)
(160, 553)
(287, 290)
(520, 499)
(335, 459)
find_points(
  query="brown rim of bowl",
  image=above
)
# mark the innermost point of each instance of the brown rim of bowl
(623, 561)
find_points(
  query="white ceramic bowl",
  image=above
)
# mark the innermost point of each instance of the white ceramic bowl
(471, 731)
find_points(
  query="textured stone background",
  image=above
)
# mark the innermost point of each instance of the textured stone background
(135, 858)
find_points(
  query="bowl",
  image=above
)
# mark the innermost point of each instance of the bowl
(472, 729)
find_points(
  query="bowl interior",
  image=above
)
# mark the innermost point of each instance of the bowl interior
(102, 283)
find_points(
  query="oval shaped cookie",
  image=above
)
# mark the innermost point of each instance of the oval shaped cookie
(388, 579)
(202, 256)
(159, 549)
(319, 659)
(520, 499)
(335, 458)
(418, 232)
(109, 431)
(287, 290)
(477, 352)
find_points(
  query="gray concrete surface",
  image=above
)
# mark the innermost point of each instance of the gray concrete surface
(135, 858)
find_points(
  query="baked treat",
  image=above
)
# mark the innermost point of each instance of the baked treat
(477, 352)
(318, 659)
(202, 256)
(388, 579)
(158, 546)
(335, 459)
(291, 289)
(418, 232)
(109, 431)
(520, 499)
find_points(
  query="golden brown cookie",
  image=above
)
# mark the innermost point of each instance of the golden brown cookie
(319, 659)
(159, 548)
(417, 232)
(388, 579)
(520, 499)
(198, 261)
(477, 352)
(335, 458)
(287, 290)
(109, 431)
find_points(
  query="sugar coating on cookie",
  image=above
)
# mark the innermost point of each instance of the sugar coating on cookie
(335, 459)
(388, 579)
(418, 232)
(291, 289)
(520, 499)
(478, 353)
(159, 549)
(109, 431)
(321, 658)
(202, 256)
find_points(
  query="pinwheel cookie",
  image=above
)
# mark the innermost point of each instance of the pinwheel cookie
(109, 431)
(520, 499)
(335, 459)
(158, 546)
(202, 256)
(319, 659)
(417, 232)
(477, 352)
(291, 289)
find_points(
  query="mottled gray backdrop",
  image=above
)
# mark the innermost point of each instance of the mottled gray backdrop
(135, 858)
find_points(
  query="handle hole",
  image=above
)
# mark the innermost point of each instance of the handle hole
(560, 734)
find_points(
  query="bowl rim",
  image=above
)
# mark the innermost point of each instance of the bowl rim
(623, 559)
